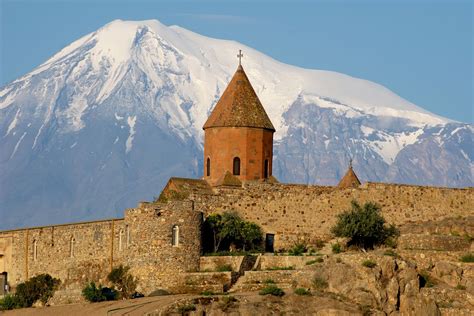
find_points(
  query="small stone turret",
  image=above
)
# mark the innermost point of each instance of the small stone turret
(350, 179)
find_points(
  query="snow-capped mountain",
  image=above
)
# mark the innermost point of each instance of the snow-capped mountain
(107, 120)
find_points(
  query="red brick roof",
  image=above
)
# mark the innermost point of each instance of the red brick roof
(239, 106)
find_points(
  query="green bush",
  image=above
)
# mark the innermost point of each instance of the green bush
(93, 293)
(320, 283)
(123, 281)
(40, 287)
(336, 248)
(186, 308)
(8, 302)
(364, 226)
(467, 258)
(207, 293)
(224, 268)
(460, 287)
(369, 263)
(226, 302)
(297, 250)
(272, 290)
(282, 268)
(302, 291)
(390, 253)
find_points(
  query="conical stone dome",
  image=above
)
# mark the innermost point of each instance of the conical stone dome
(239, 106)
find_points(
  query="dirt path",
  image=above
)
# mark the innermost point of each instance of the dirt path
(134, 307)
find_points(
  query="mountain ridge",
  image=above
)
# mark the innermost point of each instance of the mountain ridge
(101, 125)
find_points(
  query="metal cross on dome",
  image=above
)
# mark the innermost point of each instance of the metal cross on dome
(240, 55)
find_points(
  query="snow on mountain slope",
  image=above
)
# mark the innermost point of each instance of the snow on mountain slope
(105, 121)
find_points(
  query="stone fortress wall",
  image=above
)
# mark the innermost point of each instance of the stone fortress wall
(143, 239)
(296, 213)
(83, 252)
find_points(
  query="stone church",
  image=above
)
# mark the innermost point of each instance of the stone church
(161, 241)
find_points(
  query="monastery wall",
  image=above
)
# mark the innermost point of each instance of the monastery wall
(75, 253)
(153, 258)
(306, 213)
(83, 252)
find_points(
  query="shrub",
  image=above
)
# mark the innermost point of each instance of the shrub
(226, 301)
(320, 283)
(93, 293)
(282, 268)
(467, 258)
(297, 250)
(40, 287)
(302, 291)
(207, 293)
(336, 248)
(272, 290)
(159, 292)
(186, 308)
(310, 262)
(425, 279)
(390, 253)
(125, 283)
(8, 302)
(364, 226)
(369, 264)
(460, 287)
(224, 268)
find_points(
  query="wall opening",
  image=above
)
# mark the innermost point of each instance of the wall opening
(3, 283)
(236, 169)
(120, 240)
(269, 242)
(35, 250)
(208, 167)
(71, 247)
(175, 237)
(265, 169)
(127, 233)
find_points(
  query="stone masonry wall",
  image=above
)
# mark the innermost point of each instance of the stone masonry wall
(83, 252)
(152, 257)
(75, 253)
(297, 213)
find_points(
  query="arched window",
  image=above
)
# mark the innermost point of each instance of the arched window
(175, 238)
(35, 250)
(208, 167)
(236, 166)
(127, 233)
(121, 240)
(71, 247)
(265, 169)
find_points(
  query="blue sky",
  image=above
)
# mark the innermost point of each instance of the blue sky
(421, 50)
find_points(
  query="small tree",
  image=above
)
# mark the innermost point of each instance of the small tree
(229, 228)
(213, 224)
(125, 283)
(251, 235)
(40, 287)
(364, 226)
